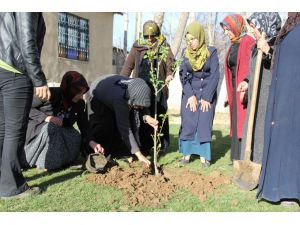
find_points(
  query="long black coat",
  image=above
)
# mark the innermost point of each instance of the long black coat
(42, 108)
(281, 158)
(261, 104)
(109, 101)
(203, 85)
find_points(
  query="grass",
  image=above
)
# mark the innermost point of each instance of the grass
(68, 190)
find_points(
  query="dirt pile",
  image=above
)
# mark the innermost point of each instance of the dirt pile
(140, 187)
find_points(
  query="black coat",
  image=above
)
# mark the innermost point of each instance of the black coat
(106, 90)
(21, 41)
(42, 108)
(261, 105)
(281, 156)
(203, 84)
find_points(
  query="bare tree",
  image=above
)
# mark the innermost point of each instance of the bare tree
(211, 27)
(125, 16)
(138, 20)
(192, 17)
(159, 18)
(179, 33)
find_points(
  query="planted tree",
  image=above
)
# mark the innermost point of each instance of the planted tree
(158, 85)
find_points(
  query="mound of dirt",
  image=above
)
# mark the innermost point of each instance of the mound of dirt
(141, 187)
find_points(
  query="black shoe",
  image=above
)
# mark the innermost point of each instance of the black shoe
(29, 192)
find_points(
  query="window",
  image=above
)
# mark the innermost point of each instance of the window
(73, 37)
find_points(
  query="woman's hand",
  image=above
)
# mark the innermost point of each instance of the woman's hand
(263, 45)
(243, 89)
(152, 122)
(169, 78)
(192, 103)
(43, 92)
(96, 147)
(142, 158)
(54, 119)
(204, 105)
(243, 86)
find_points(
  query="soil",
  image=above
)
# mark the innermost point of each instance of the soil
(141, 187)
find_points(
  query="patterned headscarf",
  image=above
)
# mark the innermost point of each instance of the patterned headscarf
(236, 24)
(138, 92)
(72, 84)
(197, 57)
(268, 22)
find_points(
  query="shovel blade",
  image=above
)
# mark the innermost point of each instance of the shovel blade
(246, 174)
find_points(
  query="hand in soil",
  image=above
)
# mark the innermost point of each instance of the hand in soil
(143, 159)
(96, 147)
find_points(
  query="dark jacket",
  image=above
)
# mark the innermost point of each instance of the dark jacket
(141, 68)
(21, 42)
(279, 177)
(203, 84)
(107, 91)
(261, 105)
(41, 109)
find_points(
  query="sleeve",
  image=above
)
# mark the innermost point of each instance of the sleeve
(267, 58)
(129, 63)
(185, 79)
(145, 112)
(26, 28)
(82, 121)
(170, 62)
(210, 89)
(40, 109)
(122, 113)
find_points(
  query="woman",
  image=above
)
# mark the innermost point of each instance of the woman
(140, 65)
(237, 62)
(21, 41)
(115, 121)
(199, 75)
(51, 140)
(269, 23)
(280, 178)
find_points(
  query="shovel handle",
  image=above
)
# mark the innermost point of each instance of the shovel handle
(253, 103)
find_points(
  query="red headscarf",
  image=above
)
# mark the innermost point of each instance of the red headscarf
(236, 24)
(72, 84)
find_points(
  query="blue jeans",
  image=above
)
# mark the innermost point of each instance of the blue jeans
(16, 91)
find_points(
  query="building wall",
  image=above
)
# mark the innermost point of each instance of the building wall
(100, 47)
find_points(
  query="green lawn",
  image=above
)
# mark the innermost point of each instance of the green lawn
(68, 190)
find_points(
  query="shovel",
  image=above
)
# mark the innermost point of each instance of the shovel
(246, 172)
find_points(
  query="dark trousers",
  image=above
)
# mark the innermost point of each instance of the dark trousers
(16, 92)
(103, 129)
(146, 132)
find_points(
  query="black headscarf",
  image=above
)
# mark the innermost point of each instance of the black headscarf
(268, 22)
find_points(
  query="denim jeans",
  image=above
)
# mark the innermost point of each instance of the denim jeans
(16, 91)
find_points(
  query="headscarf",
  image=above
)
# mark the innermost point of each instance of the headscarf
(72, 84)
(197, 57)
(235, 23)
(150, 27)
(292, 20)
(138, 92)
(268, 22)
